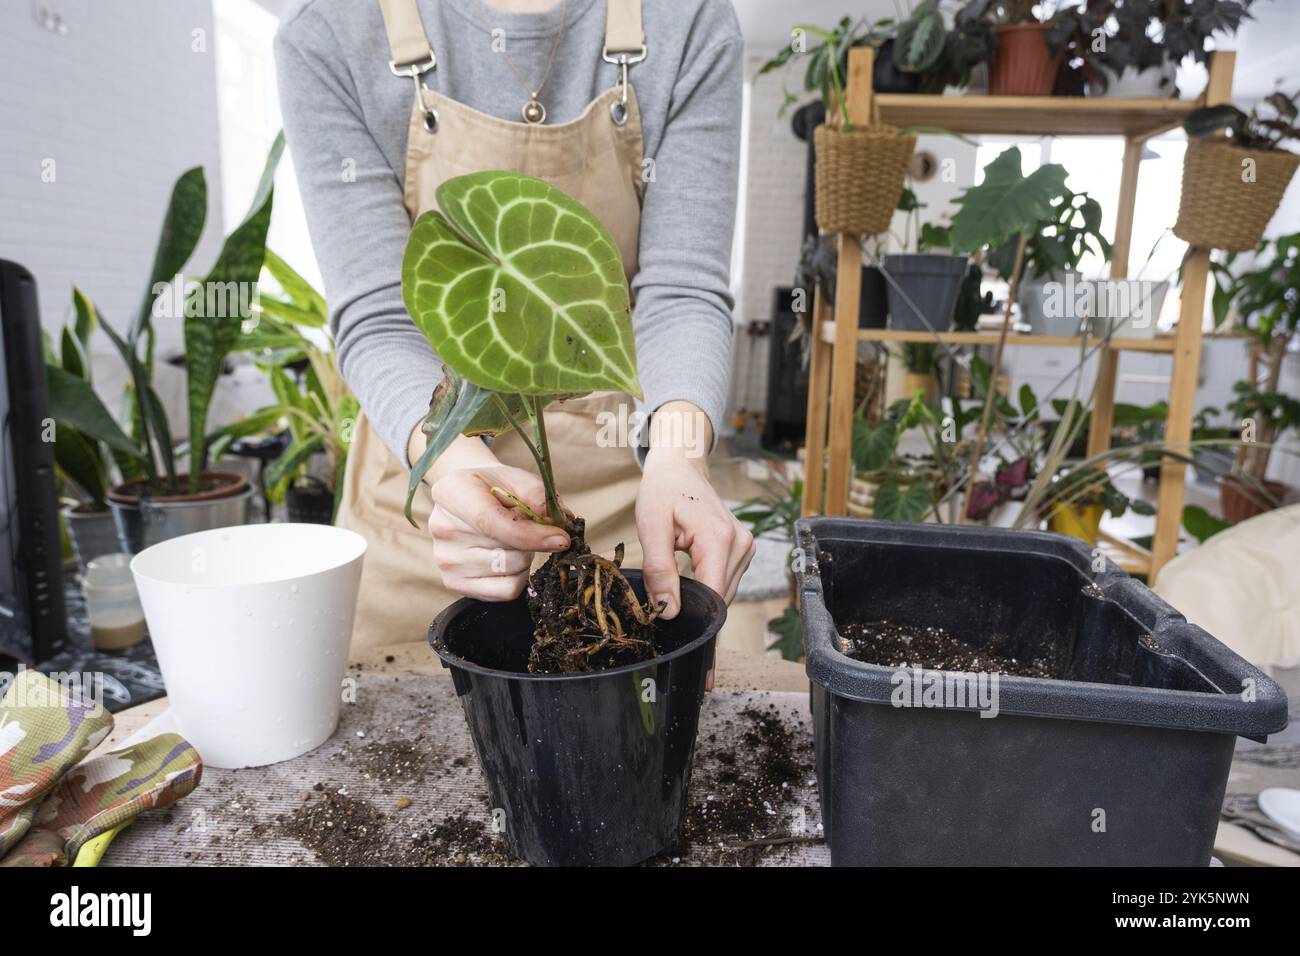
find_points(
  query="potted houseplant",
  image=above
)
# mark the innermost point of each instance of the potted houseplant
(1236, 171)
(1133, 47)
(1080, 497)
(858, 170)
(904, 53)
(921, 366)
(1022, 63)
(924, 288)
(1264, 300)
(155, 500)
(817, 269)
(1051, 291)
(1270, 414)
(290, 343)
(83, 464)
(578, 696)
(892, 485)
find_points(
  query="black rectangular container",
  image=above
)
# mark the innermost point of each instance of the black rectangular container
(1123, 763)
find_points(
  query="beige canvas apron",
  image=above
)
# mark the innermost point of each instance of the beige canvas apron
(595, 158)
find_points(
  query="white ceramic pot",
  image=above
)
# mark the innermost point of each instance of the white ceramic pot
(251, 625)
(1157, 82)
(1050, 306)
(1126, 308)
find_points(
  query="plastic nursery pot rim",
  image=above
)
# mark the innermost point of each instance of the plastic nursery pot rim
(1095, 702)
(235, 485)
(702, 592)
(358, 547)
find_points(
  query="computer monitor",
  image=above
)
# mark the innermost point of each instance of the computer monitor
(33, 619)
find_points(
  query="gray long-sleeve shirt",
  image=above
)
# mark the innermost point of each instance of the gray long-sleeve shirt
(346, 116)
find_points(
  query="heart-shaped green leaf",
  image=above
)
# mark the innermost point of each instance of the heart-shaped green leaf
(520, 289)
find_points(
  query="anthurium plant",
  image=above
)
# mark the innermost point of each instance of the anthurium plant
(521, 293)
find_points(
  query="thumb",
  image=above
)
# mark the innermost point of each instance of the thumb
(659, 561)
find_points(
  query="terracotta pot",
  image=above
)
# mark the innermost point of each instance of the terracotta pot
(1023, 65)
(221, 484)
(1242, 500)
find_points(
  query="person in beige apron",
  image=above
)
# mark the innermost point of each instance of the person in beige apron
(597, 159)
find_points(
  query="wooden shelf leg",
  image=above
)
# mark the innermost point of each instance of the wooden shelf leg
(1187, 360)
(848, 290)
(819, 392)
(1182, 405)
(1103, 409)
(848, 293)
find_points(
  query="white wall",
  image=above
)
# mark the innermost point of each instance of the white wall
(100, 115)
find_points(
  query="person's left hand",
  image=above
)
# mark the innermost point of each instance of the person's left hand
(678, 510)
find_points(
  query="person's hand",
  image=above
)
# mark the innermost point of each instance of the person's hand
(483, 548)
(678, 510)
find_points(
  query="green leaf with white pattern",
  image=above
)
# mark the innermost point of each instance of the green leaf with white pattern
(520, 289)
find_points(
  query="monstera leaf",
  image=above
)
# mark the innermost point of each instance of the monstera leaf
(1007, 203)
(519, 289)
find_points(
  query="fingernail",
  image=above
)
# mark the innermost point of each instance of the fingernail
(556, 542)
(666, 600)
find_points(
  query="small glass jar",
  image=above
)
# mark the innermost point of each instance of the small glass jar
(112, 604)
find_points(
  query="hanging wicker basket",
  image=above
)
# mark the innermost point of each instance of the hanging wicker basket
(1227, 202)
(860, 175)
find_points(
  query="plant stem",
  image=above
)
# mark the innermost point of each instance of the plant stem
(544, 461)
(541, 457)
(978, 450)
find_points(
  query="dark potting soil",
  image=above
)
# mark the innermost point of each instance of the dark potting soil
(586, 615)
(343, 830)
(745, 786)
(891, 644)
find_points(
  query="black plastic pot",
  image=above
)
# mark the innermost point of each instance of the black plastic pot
(886, 77)
(923, 293)
(873, 307)
(1123, 763)
(310, 502)
(587, 769)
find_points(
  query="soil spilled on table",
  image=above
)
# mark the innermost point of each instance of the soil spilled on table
(586, 615)
(343, 830)
(745, 791)
(891, 644)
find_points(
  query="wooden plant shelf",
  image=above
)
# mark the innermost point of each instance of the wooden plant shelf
(1131, 117)
(834, 346)
(1165, 344)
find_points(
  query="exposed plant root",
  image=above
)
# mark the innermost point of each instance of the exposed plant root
(586, 615)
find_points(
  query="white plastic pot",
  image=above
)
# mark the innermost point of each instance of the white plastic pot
(1156, 82)
(1125, 308)
(251, 625)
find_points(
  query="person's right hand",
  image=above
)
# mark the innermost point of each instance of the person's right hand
(482, 547)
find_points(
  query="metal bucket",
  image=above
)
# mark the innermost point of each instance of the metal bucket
(149, 522)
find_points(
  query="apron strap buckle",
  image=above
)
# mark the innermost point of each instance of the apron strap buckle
(416, 71)
(624, 59)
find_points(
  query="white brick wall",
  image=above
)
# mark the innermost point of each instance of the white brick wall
(122, 104)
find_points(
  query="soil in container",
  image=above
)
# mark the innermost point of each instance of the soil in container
(892, 644)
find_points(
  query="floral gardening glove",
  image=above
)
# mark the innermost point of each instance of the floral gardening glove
(103, 794)
(45, 730)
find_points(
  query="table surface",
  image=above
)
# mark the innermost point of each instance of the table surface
(215, 824)
(398, 784)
